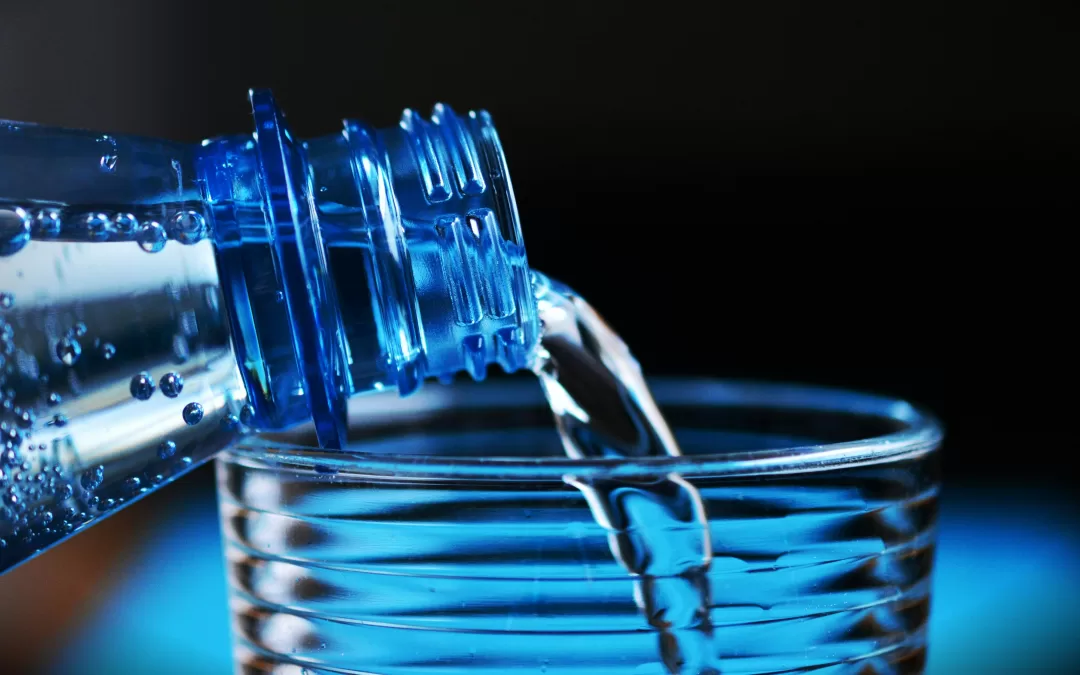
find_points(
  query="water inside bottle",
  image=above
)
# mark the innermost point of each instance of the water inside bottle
(116, 368)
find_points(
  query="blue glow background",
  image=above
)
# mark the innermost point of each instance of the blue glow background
(1006, 594)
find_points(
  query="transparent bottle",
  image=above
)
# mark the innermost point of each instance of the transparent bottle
(158, 299)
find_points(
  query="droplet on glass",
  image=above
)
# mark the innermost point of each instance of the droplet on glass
(68, 351)
(193, 413)
(152, 237)
(125, 224)
(142, 386)
(48, 223)
(189, 227)
(172, 384)
(14, 230)
(97, 226)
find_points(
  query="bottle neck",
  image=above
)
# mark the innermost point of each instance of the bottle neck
(367, 259)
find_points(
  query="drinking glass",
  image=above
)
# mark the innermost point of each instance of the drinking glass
(451, 537)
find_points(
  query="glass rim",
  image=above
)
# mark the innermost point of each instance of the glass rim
(921, 434)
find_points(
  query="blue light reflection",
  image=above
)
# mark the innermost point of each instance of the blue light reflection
(1006, 595)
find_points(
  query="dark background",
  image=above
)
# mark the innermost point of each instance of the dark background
(830, 193)
(847, 193)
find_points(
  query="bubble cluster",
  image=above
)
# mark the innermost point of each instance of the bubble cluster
(142, 386)
(19, 225)
(55, 361)
(193, 413)
(93, 478)
(172, 384)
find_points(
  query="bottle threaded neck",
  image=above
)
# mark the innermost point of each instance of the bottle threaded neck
(366, 259)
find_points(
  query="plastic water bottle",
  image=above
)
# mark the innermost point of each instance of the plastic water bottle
(159, 299)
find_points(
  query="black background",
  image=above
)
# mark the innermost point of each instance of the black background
(840, 193)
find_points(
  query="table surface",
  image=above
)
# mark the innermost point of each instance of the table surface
(1006, 595)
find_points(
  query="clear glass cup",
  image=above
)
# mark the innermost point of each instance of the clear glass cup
(450, 539)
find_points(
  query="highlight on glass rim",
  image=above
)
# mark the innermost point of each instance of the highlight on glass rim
(399, 435)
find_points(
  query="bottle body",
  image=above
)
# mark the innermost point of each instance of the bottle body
(157, 300)
(118, 377)
(107, 334)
